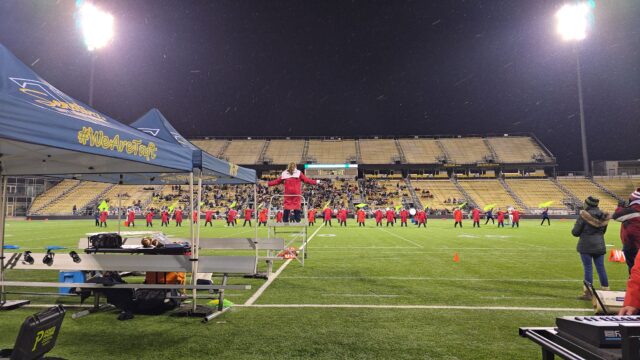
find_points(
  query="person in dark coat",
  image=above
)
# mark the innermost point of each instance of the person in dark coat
(590, 228)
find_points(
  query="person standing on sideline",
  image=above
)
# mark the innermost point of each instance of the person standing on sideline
(391, 217)
(489, 216)
(164, 217)
(361, 216)
(515, 218)
(629, 216)
(231, 217)
(590, 228)
(631, 305)
(475, 213)
(279, 216)
(500, 214)
(327, 216)
(404, 215)
(96, 216)
(131, 218)
(311, 217)
(208, 217)
(248, 213)
(196, 216)
(292, 179)
(545, 216)
(457, 217)
(178, 215)
(342, 217)
(379, 217)
(262, 217)
(149, 217)
(103, 218)
(421, 218)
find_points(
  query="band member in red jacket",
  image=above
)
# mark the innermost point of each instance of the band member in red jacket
(632, 296)
(421, 218)
(103, 218)
(178, 215)
(391, 217)
(248, 213)
(379, 217)
(342, 217)
(196, 216)
(164, 218)
(361, 216)
(475, 213)
(404, 215)
(311, 217)
(149, 217)
(262, 217)
(231, 217)
(208, 216)
(131, 218)
(516, 218)
(279, 216)
(500, 219)
(457, 217)
(327, 212)
(292, 179)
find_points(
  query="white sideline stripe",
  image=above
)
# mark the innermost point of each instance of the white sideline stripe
(264, 286)
(433, 278)
(365, 295)
(425, 307)
(402, 238)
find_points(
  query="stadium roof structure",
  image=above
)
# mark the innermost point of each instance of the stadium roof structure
(46, 132)
(214, 170)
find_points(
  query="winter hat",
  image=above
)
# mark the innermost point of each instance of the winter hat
(635, 196)
(592, 201)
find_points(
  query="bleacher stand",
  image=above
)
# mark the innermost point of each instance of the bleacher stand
(244, 152)
(332, 151)
(466, 150)
(421, 151)
(517, 149)
(378, 151)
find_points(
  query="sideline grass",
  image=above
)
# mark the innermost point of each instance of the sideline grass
(532, 266)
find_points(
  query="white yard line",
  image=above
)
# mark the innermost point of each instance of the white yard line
(402, 238)
(264, 286)
(426, 307)
(434, 278)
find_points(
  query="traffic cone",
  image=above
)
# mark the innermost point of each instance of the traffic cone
(612, 255)
(456, 257)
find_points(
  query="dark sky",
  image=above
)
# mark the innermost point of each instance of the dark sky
(349, 68)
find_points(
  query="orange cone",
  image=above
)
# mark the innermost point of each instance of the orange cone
(456, 257)
(611, 255)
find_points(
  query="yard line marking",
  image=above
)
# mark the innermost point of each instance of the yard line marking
(424, 307)
(365, 295)
(433, 278)
(402, 238)
(264, 286)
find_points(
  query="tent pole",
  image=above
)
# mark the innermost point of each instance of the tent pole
(194, 265)
(255, 215)
(197, 239)
(3, 189)
(119, 203)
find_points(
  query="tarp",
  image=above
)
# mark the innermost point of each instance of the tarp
(214, 170)
(46, 132)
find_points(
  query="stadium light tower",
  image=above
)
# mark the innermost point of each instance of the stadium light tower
(572, 25)
(97, 30)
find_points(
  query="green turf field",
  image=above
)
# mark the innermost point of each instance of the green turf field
(364, 293)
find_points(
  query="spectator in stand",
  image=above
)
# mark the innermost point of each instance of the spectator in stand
(311, 217)
(74, 209)
(149, 217)
(629, 216)
(292, 179)
(475, 213)
(457, 217)
(500, 218)
(404, 215)
(361, 215)
(208, 217)
(164, 217)
(489, 216)
(590, 227)
(248, 212)
(379, 217)
(391, 217)
(327, 212)
(545, 216)
(515, 218)
(178, 216)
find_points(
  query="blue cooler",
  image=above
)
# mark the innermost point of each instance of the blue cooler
(70, 277)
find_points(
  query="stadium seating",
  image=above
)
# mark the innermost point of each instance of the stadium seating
(332, 151)
(466, 150)
(621, 186)
(284, 151)
(533, 192)
(213, 147)
(80, 196)
(131, 195)
(517, 149)
(385, 193)
(244, 152)
(486, 192)
(51, 194)
(440, 193)
(421, 151)
(378, 151)
(582, 188)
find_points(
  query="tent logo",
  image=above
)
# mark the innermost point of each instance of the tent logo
(152, 132)
(45, 96)
(180, 139)
(233, 169)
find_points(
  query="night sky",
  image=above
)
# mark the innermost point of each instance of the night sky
(349, 68)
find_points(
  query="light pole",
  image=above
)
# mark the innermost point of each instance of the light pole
(97, 30)
(572, 24)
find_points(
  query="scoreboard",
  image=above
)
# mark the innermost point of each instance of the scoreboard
(331, 170)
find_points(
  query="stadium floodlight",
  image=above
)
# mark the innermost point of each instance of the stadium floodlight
(572, 25)
(96, 25)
